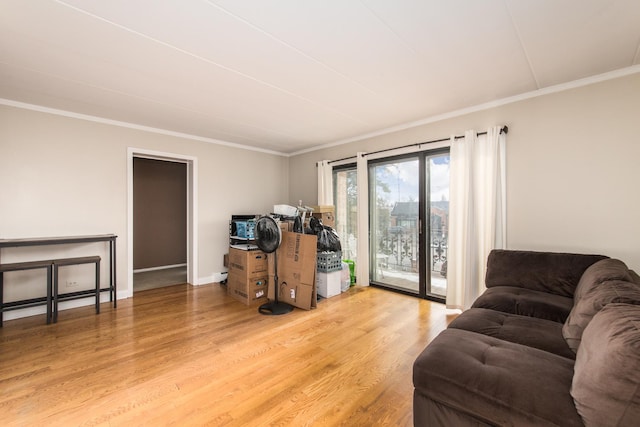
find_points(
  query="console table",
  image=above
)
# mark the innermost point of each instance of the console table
(44, 241)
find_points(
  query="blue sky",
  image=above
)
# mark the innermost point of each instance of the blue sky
(402, 179)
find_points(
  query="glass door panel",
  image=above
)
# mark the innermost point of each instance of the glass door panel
(345, 192)
(394, 208)
(437, 196)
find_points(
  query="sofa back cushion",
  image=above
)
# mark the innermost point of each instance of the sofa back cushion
(607, 281)
(556, 273)
(606, 380)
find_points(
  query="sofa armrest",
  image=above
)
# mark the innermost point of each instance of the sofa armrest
(555, 273)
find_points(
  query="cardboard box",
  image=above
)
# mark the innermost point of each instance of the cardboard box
(296, 271)
(329, 284)
(250, 298)
(258, 280)
(327, 219)
(323, 209)
(326, 214)
(249, 263)
(250, 291)
(285, 226)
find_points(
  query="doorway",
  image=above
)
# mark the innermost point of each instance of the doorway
(409, 212)
(159, 223)
(190, 207)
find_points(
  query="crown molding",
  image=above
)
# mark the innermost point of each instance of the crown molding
(118, 123)
(611, 75)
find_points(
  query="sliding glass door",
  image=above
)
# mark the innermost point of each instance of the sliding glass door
(394, 195)
(409, 211)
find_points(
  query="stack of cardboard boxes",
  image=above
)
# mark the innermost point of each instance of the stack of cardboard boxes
(250, 278)
(247, 280)
(251, 272)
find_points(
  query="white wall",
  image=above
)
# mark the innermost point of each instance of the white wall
(572, 167)
(572, 174)
(65, 176)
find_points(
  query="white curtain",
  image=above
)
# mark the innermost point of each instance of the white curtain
(477, 212)
(325, 183)
(362, 264)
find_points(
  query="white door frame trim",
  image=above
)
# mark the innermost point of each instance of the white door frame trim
(192, 209)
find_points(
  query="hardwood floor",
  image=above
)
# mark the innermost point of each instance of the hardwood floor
(184, 355)
(159, 278)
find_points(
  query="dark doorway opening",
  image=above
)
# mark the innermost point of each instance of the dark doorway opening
(159, 223)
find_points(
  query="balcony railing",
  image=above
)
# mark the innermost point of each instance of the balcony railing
(398, 250)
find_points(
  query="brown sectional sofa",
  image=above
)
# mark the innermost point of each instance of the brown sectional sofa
(554, 341)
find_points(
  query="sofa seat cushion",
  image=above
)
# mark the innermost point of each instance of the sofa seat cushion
(530, 331)
(496, 381)
(525, 302)
(606, 382)
(593, 300)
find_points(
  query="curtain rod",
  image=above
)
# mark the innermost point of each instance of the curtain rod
(503, 129)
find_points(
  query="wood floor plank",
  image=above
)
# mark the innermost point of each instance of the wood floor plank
(184, 355)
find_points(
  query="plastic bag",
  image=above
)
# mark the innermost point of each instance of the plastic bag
(315, 225)
(328, 240)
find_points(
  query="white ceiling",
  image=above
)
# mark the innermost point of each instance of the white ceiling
(289, 75)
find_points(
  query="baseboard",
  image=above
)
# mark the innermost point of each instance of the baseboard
(162, 267)
(62, 305)
(104, 297)
(214, 278)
